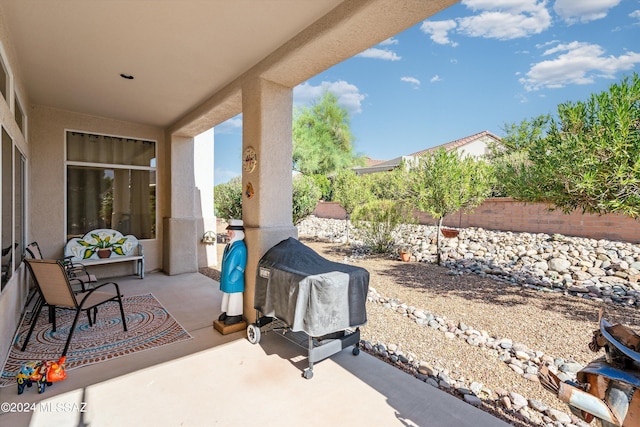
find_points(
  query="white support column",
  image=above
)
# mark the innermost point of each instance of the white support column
(180, 228)
(267, 190)
(203, 160)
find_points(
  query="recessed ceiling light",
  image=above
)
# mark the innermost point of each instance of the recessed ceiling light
(126, 76)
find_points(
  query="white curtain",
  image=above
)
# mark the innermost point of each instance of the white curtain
(105, 196)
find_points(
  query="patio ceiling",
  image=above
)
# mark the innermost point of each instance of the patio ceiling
(187, 57)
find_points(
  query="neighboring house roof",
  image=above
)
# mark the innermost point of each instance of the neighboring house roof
(458, 144)
(382, 166)
(371, 162)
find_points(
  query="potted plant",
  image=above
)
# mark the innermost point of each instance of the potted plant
(103, 245)
(405, 253)
(449, 232)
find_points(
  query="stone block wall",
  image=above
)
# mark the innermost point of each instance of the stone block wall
(506, 214)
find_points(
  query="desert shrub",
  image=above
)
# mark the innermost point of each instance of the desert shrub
(377, 221)
(227, 199)
(305, 197)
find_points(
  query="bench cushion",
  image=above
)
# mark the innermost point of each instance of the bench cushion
(102, 243)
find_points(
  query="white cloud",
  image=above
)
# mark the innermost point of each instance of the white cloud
(573, 11)
(505, 20)
(576, 63)
(389, 41)
(495, 4)
(545, 44)
(635, 14)
(496, 19)
(435, 78)
(412, 80)
(439, 31)
(348, 95)
(385, 54)
(230, 125)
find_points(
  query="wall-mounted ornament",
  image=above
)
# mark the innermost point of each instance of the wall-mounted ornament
(209, 237)
(249, 191)
(249, 160)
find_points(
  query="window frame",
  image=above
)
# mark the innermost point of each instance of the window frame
(7, 73)
(68, 163)
(18, 107)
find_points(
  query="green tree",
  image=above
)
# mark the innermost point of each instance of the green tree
(519, 136)
(322, 139)
(390, 185)
(305, 197)
(227, 199)
(587, 157)
(510, 157)
(324, 185)
(590, 159)
(444, 183)
(351, 191)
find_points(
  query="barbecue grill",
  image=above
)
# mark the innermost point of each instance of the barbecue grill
(315, 303)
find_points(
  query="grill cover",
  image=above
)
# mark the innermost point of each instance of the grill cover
(308, 292)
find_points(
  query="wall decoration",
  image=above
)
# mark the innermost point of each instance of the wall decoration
(249, 160)
(249, 191)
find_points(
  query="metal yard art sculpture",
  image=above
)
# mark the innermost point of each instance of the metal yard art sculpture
(608, 388)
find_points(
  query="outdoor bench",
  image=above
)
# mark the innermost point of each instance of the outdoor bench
(106, 246)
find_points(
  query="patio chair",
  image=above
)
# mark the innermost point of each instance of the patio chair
(78, 274)
(52, 282)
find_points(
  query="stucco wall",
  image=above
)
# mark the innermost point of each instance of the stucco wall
(476, 148)
(509, 215)
(47, 179)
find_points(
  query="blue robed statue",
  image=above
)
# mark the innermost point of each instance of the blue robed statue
(234, 261)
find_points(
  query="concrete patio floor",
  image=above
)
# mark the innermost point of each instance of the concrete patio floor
(225, 380)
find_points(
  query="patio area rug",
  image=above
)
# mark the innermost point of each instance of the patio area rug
(149, 326)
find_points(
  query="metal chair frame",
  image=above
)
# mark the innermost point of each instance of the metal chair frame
(55, 290)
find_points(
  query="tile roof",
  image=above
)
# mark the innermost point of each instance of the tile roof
(368, 161)
(457, 143)
(373, 166)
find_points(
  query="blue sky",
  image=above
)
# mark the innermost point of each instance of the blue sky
(475, 66)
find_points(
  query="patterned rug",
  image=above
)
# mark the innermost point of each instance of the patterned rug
(149, 325)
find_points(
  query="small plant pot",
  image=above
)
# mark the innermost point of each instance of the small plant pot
(405, 256)
(104, 253)
(449, 232)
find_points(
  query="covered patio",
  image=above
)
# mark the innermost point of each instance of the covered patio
(216, 379)
(161, 75)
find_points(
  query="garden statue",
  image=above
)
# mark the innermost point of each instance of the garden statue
(234, 261)
(31, 372)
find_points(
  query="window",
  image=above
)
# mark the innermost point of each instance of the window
(19, 115)
(111, 183)
(4, 80)
(19, 185)
(8, 250)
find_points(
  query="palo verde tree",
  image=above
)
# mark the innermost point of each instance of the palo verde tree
(351, 191)
(443, 183)
(322, 139)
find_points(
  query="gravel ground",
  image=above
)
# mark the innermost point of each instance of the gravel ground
(559, 325)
